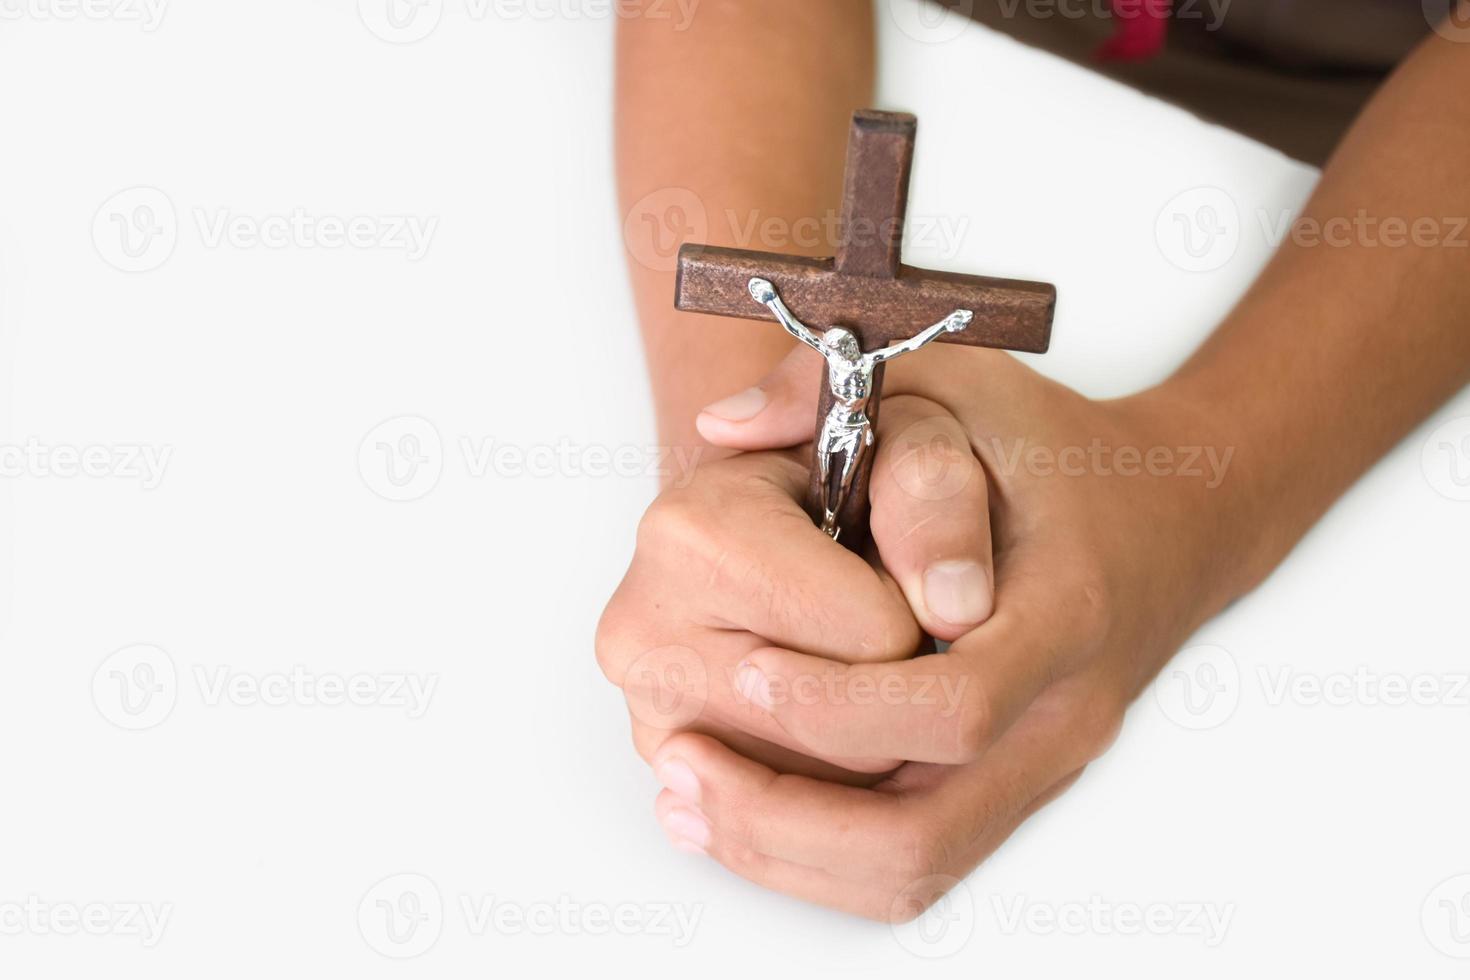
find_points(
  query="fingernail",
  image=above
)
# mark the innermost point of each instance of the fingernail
(957, 592)
(687, 827)
(676, 775)
(753, 686)
(739, 407)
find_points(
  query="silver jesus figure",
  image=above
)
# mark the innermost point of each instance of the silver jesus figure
(847, 433)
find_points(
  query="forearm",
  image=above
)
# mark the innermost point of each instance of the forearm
(748, 109)
(1341, 347)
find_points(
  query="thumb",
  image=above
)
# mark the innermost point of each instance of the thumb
(931, 516)
(778, 412)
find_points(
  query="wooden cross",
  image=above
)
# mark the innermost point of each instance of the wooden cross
(866, 288)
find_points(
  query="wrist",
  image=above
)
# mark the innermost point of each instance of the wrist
(1220, 498)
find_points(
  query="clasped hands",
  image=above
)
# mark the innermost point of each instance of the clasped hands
(772, 677)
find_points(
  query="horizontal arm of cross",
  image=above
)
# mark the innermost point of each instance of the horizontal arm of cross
(1009, 313)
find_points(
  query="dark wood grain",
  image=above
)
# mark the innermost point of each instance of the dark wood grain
(875, 193)
(1009, 313)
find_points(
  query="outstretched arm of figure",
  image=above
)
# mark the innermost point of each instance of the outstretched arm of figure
(764, 293)
(955, 322)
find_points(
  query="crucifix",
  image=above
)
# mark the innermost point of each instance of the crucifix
(862, 308)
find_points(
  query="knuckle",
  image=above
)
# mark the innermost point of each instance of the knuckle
(1102, 735)
(894, 637)
(670, 518)
(870, 766)
(930, 461)
(607, 645)
(920, 852)
(1092, 611)
(905, 908)
(737, 856)
(972, 727)
(647, 741)
(1099, 722)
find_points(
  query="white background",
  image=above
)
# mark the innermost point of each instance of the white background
(263, 830)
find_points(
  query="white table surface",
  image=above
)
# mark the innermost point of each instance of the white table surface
(261, 828)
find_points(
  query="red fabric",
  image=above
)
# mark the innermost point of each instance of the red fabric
(1139, 29)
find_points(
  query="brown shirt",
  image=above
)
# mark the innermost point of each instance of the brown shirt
(1290, 73)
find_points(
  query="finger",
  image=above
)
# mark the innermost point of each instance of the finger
(931, 516)
(694, 688)
(746, 556)
(776, 413)
(943, 708)
(929, 820)
(1033, 763)
(793, 818)
(786, 877)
